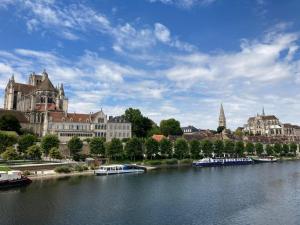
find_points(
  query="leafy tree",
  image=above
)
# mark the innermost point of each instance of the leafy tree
(154, 130)
(195, 149)
(220, 129)
(249, 148)
(293, 148)
(239, 148)
(49, 141)
(7, 140)
(10, 154)
(181, 148)
(218, 147)
(229, 146)
(34, 152)
(166, 147)
(285, 149)
(75, 145)
(55, 153)
(259, 148)
(97, 146)
(9, 123)
(269, 149)
(114, 149)
(134, 148)
(140, 125)
(152, 147)
(239, 132)
(277, 148)
(170, 127)
(207, 147)
(25, 141)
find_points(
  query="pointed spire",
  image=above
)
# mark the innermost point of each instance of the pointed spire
(263, 111)
(12, 78)
(222, 118)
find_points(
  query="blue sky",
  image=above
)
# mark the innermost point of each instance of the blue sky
(170, 58)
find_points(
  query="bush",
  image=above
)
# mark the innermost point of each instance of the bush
(186, 161)
(10, 154)
(63, 169)
(153, 162)
(26, 173)
(171, 161)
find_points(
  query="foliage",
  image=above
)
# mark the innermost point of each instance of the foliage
(75, 145)
(218, 147)
(7, 140)
(269, 150)
(153, 162)
(25, 141)
(34, 152)
(171, 161)
(4, 168)
(140, 125)
(239, 148)
(152, 147)
(80, 168)
(238, 132)
(166, 147)
(207, 147)
(170, 127)
(97, 146)
(10, 154)
(277, 148)
(186, 161)
(220, 129)
(154, 130)
(55, 153)
(195, 149)
(134, 148)
(63, 169)
(229, 146)
(114, 148)
(49, 141)
(181, 148)
(285, 149)
(259, 148)
(249, 148)
(293, 148)
(9, 123)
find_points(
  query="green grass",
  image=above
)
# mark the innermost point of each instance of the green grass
(4, 168)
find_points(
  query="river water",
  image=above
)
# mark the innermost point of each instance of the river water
(265, 194)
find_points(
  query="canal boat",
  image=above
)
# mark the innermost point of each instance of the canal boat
(268, 159)
(119, 169)
(13, 178)
(211, 162)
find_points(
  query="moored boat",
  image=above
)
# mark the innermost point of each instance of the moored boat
(14, 178)
(265, 159)
(118, 169)
(211, 162)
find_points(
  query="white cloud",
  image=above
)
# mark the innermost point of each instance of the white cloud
(185, 3)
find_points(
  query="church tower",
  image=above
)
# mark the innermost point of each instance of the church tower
(222, 118)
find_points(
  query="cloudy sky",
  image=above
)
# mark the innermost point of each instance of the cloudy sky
(169, 58)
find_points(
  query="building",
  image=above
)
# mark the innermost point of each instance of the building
(189, 129)
(222, 118)
(46, 109)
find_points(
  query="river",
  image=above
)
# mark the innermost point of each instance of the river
(265, 194)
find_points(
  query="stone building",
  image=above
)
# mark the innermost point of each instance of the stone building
(189, 129)
(46, 110)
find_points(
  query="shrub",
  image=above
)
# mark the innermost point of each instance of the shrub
(153, 162)
(63, 169)
(186, 161)
(26, 173)
(171, 161)
(10, 154)
(80, 168)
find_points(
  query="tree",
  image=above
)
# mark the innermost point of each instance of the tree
(170, 127)
(269, 150)
(195, 149)
(166, 147)
(181, 148)
(239, 132)
(54, 153)
(75, 146)
(218, 147)
(140, 125)
(207, 147)
(259, 148)
(154, 130)
(49, 141)
(114, 148)
(10, 154)
(7, 140)
(285, 149)
(229, 146)
(97, 146)
(34, 152)
(134, 148)
(220, 129)
(249, 148)
(239, 148)
(277, 148)
(25, 141)
(152, 147)
(293, 148)
(9, 123)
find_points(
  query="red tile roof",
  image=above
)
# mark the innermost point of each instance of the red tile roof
(70, 117)
(158, 137)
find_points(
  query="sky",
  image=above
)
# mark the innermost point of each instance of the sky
(170, 58)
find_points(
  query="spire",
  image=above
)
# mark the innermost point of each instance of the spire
(12, 78)
(222, 118)
(263, 111)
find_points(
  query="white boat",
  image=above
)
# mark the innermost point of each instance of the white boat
(118, 169)
(13, 179)
(265, 159)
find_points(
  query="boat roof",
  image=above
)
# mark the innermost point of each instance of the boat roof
(113, 165)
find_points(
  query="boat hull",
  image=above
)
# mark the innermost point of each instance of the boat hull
(264, 160)
(15, 183)
(215, 164)
(102, 173)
